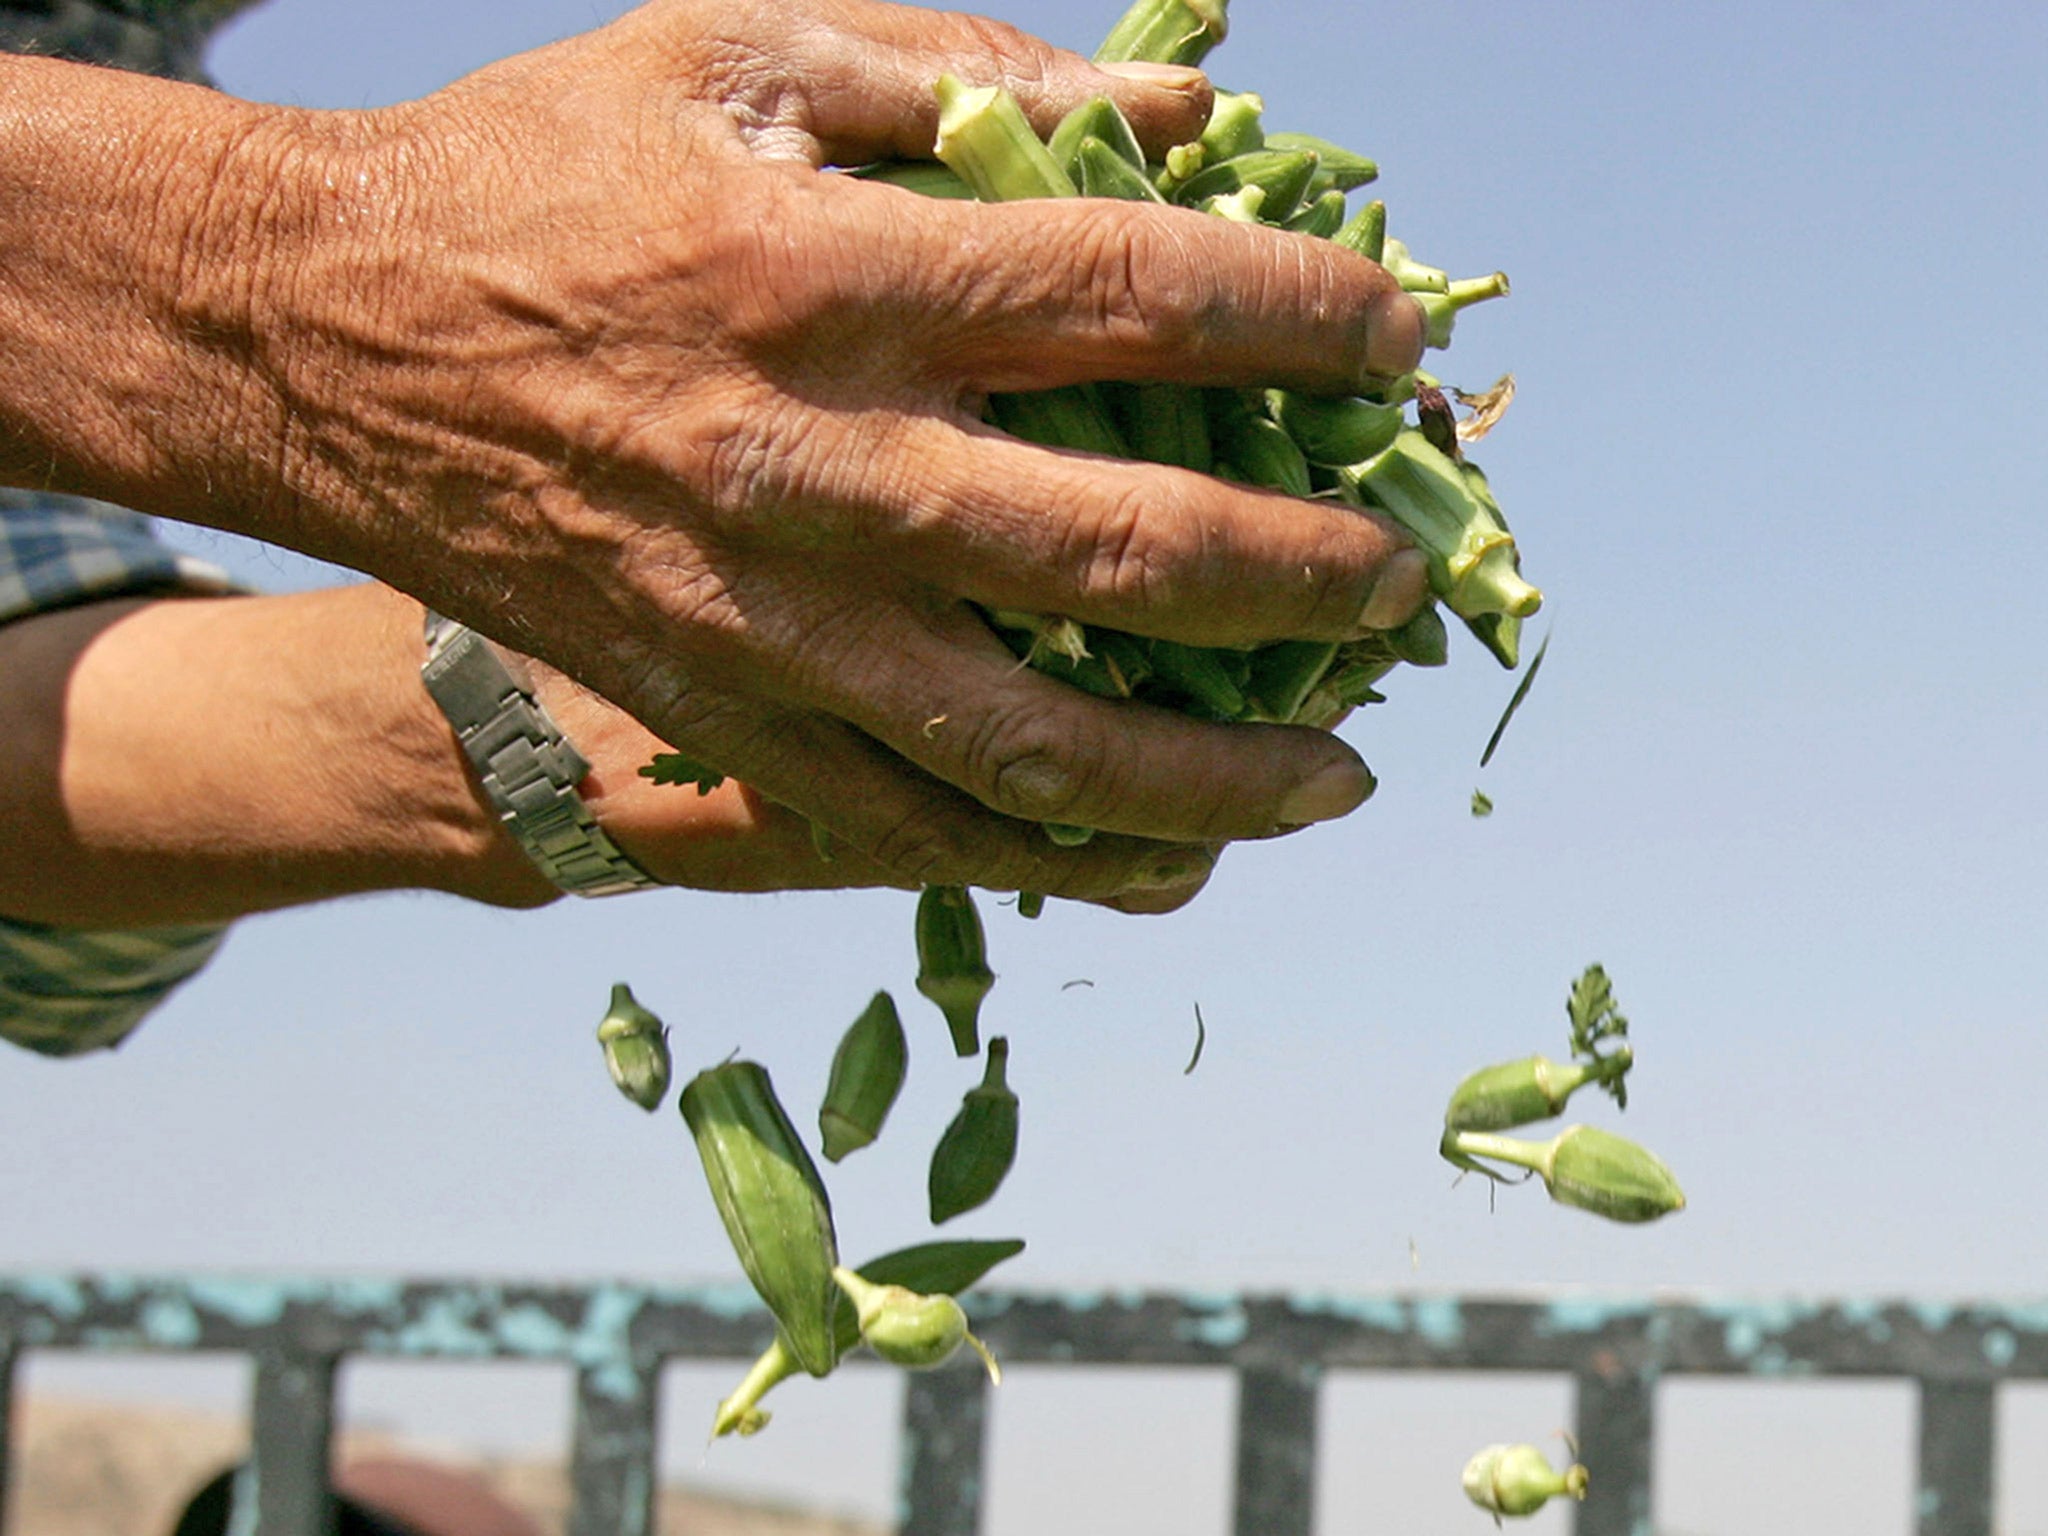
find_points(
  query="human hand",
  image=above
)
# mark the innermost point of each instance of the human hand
(587, 351)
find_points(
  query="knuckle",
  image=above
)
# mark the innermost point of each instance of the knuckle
(1020, 58)
(1039, 768)
(1131, 548)
(1143, 280)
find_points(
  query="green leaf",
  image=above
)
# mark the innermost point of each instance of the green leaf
(1482, 804)
(674, 768)
(1596, 1019)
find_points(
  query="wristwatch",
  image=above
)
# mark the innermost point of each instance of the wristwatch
(528, 768)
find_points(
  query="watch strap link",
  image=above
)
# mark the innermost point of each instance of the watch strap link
(528, 768)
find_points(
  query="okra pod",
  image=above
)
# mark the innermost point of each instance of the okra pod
(1335, 429)
(942, 1267)
(985, 139)
(952, 961)
(1260, 449)
(1284, 674)
(1512, 1093)
(1582, 1166)
(635, 1049)
(1072, 416)
(1366, 233)
(927, 178)
(1166, 424)
(1422, 641)
(772, 1202)
(867, 1073)
(977, 1148)
(1283, 175)
(1101, 172)
(1472, 564)
(907, 1327)
(1320, 217)
(1165, 32)
(1516, 1480)
(1100, 119)
(1337, 168)
(1234, 127)
(1201, 677)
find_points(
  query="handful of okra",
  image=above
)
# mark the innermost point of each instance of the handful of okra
(1360, 450)
(1397, 449)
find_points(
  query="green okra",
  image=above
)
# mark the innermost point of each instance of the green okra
(1582, 1166)
(1422, 641)
(1282, 175)
(772, 1202)
(976, 1150)
(1234, 127)
(927, 178)
(1335, 429)
(1285, 674)
(952, 961)
(1101, 172)
(1240, 207)
(1337, 168)
(1165, 32)
(1165, 424)
(867, 1073)
(1100, 119)
(1258, 447)
(1071, 416)
(1321, 216)
(908, 1328)
(1512, 1093)
(1472, 562)
(985, 139)
(942, 1267)
(635, 1049)
(1516, 1480)
(1201, 676)
(1366, 233)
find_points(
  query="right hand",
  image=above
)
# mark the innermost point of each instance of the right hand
(588, 351)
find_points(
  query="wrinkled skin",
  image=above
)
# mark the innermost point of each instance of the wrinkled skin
(590, 351)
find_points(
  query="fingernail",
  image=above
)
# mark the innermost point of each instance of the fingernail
(1395, 328)
(1398, 592)
(1335, 791)
(1168, 77)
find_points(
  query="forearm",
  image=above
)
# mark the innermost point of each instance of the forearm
(190, 760)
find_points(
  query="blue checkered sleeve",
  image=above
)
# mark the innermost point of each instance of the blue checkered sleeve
(64, 991)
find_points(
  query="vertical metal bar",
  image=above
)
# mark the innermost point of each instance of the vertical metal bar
(1958, 1435)
(1276, 1449)
(1617, 1441)
(945, 1423)
(6, 1424)
(612, 1460)
(283, 1491)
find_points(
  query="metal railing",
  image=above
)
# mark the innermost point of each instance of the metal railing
(618, 1338)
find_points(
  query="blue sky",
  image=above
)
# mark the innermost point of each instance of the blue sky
(1776, 460)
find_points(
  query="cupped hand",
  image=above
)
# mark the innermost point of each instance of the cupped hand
(594, 351)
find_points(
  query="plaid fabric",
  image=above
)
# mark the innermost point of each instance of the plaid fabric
(64, 991)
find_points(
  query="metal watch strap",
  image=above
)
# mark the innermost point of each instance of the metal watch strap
(528, 768)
